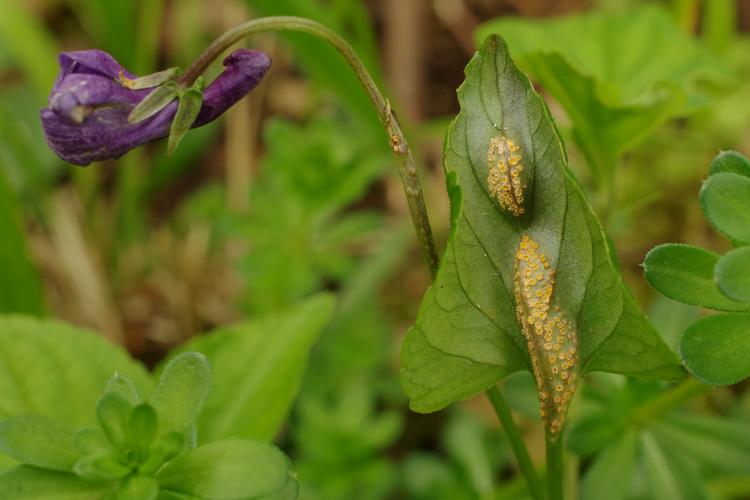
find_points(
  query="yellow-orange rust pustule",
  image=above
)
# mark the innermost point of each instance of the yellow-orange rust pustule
(504, 174)
(551, 339)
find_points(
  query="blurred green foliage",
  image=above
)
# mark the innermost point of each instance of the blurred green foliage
(640, 90)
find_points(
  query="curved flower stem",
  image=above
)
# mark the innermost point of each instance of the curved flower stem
(399, 146)
(554, 465)
(516, 442)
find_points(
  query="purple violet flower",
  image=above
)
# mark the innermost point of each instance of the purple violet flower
(86, 118)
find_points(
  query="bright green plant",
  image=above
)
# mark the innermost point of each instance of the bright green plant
(194, 433)
(714, 348)
(142, 448)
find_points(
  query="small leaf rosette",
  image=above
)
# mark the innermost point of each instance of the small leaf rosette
(86, 118)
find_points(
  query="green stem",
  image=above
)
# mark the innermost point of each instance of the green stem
(516, 442)
(399, 146)
(667, 401)
(554, 465)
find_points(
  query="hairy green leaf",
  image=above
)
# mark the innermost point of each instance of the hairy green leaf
(113, 411)
(258, 368)
(183, 388)
(730, 161)
(615, 89)
(716, 348)
(725, 198)
(467, 335)
(733, 274)
(228, 469)
(686, 273)
(39, 441)
(143, 426)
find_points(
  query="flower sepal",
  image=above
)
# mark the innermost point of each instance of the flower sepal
(191, 100)
(148, 81)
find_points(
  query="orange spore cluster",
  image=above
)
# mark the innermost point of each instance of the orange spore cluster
(550, 338)
(504, 174)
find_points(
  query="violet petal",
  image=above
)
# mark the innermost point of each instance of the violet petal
(86, 116)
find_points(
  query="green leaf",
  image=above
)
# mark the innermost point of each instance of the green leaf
(31, 483)
(227, 469)
(466, 336)
(671, 476)
(142, 426)
(40, 441)
(720, 444)
(463, 440)
(100, 467)
(187, 112)
(124, 387)
(618, 74)
(733, 274)
(166, 447)
(259, 367)
(716, 348)
(686, 273)
(113, 411)
(91, 441)
(725, 198)
(139, 488)
(609, 476)
(70, 369)
(183, 388)
(154, 102)
(730, 161)
(594, 433)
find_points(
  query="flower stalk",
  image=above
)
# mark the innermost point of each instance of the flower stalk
(399, 147)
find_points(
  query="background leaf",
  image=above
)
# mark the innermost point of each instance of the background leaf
(670, 474)
(228, 469)
(716, 348)
(611, 473)
(30, 483)
(258, 366)
(686, 273)
(616, 90)
(39, 441)
(466, 335)
(61, 384)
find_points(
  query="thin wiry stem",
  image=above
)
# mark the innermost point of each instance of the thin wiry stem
(399, 147)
